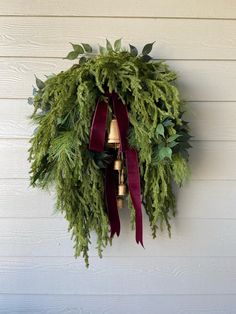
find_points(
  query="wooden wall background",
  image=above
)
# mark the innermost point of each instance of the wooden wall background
(195, 271)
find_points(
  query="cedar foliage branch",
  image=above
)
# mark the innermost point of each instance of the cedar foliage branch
(63, 108)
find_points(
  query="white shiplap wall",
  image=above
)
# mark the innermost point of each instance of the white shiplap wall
(195, 271)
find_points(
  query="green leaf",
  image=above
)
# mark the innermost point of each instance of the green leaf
(30, 100)
(172, 144)
(87, 48)
(147, 48)
(108, 45)
(72, 55)
(40, 84)
(168, 122)
(133, 50)
(160, 130)
(78, 48)
(165, 152)
(102, 50)
(59, 120)
(173, 138)
(146, 58)
(34, 91)
(82, 60)
(117, 44)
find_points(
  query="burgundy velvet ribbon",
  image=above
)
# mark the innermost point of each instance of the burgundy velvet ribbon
(110, 197)
(97, 138)
(98, 129)
(131, 155)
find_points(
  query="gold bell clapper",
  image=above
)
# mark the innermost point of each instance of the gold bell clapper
(113, 136)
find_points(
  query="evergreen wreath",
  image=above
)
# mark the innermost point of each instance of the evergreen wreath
(64, 106)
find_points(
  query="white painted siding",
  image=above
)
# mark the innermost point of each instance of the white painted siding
(195, 271)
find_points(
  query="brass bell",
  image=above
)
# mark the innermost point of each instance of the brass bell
(113, 136)
(121, 189)
(117, 165)
(120, 203)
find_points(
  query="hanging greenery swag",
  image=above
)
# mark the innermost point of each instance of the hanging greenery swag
(64, 106)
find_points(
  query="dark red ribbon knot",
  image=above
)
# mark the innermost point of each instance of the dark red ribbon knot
(97, 140)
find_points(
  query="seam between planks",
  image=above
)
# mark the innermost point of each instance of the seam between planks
(120, 17)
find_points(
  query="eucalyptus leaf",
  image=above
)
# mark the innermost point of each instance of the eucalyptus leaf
(165, 152)
(72, 55)
(82, 60)
(172, 144)
(40, 84)
(147, 48)
(108, 45)
(102, 50)
(160, 130)
(173, 138)
(34, 91)
(78, 48)
(167, 122)
(146, 58)
(133, 50)
(30, 100)
(117, 44)
(87, 48)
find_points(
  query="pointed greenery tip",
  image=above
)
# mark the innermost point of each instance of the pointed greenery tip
(117, 44)
(108, 45)
(78, 48)
(102, 50)
(87, 48)
(72, 55)
(165, 152)
(147, 49)
(146, 58)
(30, 100)
(160, 130)
(40, 84)
(173, 138)
(82, 60)
(133, 50)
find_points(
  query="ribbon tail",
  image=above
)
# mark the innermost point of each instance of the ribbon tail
(110, 196)
(135, 191)
(98, 129)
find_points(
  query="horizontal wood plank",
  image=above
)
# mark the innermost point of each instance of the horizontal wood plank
(190, 237)
(208, 120)
(152, 275)
(42, 37)
(151, 8)
(14, 118)
(97, 304)
(212, 120)
(197, 199)
(206, 159)
(198, 80)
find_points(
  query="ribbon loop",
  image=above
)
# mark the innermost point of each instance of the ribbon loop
(98, 129)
